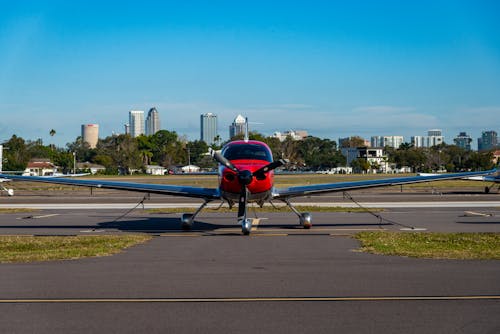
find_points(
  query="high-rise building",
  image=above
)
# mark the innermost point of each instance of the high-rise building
(126, 127)
(488, 141)
(383, 141)
(294, 134)
(152, 122)
(208, 128)
(238, 126)
(1, 157)
(463, 140)
(90, 134)
(136, 122)
(434, 137)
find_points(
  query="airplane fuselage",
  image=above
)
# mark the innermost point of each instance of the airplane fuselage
(246, 156)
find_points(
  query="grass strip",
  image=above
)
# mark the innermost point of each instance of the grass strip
(50, 248)
(268, 209)
(460, 246)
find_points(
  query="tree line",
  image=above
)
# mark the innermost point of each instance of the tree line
(123, 154)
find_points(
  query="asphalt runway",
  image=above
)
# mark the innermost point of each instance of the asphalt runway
(281, 279)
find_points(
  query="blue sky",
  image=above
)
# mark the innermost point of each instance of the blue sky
(334, 68)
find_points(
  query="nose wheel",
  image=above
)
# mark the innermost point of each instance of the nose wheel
(246, 226)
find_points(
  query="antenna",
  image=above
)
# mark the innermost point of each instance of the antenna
(246, 129)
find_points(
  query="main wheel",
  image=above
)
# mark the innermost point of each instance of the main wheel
(186, 221)
(306, 220)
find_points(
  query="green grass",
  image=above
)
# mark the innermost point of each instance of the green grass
(462, 246)
(267, 209)
(41, 248)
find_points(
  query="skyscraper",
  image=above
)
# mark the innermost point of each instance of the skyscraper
(238, 126)
(488, 141)
(152, 122)
(90, 134)
(434, 137)
(463, 140)
(383, 141)
(136, 122)
(208, 128)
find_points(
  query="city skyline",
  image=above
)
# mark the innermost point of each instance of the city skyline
(334, 69)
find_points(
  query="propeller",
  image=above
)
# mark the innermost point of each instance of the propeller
(261, 172)
(245, 177)
(222, 160)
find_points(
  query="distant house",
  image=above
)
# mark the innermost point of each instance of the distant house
(190, 169)
(374, 156)
(40, 167)
(88, 166)
(496, 157)
(156, 170)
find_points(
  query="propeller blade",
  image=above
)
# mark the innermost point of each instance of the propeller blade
(223, 161)
(260, 173)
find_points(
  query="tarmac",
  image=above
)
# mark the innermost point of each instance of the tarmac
(281, 279)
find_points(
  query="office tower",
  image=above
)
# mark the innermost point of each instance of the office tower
(90, 134)
(136, 122)
(488, 141)
(1, 157)
(152, 122)
(208, 128)
(238, 126)
(126, 126)
(463, 140)
(383, 141)
(434, 137)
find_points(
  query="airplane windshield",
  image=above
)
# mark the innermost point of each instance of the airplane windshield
(247, 151)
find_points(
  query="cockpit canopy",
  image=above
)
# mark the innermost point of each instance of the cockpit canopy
(247, 151)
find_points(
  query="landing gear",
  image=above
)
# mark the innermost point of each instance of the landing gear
(305, 218)
(187, 219)
(246, 226)
(487, 189)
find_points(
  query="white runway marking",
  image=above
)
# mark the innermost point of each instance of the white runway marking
(39, 217)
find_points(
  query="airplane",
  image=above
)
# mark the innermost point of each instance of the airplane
(485, 178)
(493, 178)
(246, 175)
(8, 191)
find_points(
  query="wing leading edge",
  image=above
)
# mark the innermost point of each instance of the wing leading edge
(343, 186)
(164, 189)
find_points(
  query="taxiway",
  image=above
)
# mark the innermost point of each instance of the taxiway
(281, 279)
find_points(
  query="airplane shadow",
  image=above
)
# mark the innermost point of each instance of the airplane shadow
(166, 225)
(155, 225)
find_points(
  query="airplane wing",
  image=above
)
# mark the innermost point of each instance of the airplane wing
(344, 186)
(164, 189)
(485, 178)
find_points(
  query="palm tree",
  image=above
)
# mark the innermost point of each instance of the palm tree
(52, 132)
